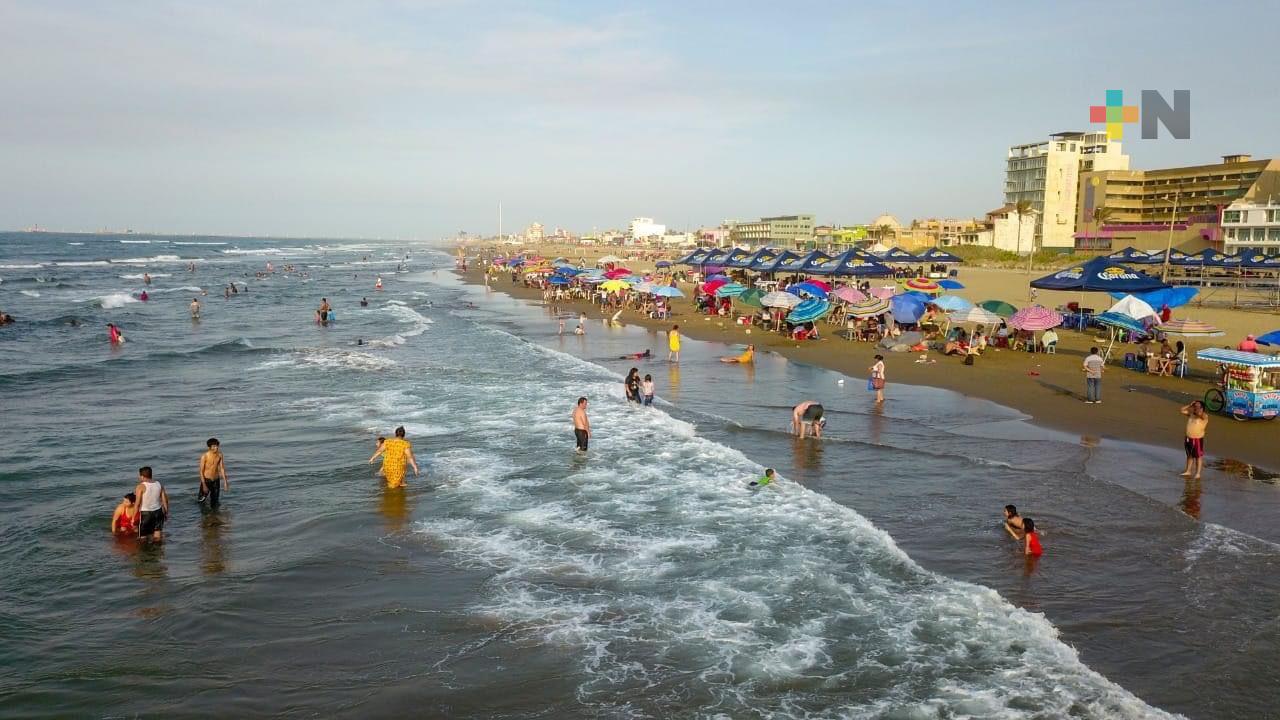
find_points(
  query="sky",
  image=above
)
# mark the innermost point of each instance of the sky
(415, 119)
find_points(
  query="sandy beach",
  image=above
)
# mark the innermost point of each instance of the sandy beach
(1047, 388)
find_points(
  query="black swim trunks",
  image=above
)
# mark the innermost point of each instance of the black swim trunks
(581, 436)
(150, 522)
(813, 413)
(210, 490)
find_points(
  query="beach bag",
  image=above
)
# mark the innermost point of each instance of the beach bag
(968, 359)
(871, 385)
(877, 383)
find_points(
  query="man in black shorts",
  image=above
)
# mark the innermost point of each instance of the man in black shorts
(807, 416)
(581, 425)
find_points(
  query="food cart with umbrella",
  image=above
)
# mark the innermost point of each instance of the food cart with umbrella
(1249, 385)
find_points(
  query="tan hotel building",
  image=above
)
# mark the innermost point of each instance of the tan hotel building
(1143, 203)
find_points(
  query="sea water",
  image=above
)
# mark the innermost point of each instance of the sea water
(516, 578)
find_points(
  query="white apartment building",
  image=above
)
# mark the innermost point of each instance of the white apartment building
(534, 232)
(1047, 174)
(1251, 227)
(645, 227)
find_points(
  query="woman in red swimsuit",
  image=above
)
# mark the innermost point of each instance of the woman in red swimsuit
(1033, 548)
(125, 519)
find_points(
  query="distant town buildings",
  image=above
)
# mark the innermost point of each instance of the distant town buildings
(1252, 227)
(641, 228)
(534, 232)
(780, 231)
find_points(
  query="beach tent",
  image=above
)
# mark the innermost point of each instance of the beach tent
(799, 264)
(1173, 297)
(935, 255)
(1134, 308)
(751, 258)
(768, 266)
(1131, 255)
(898, 255)
(851, 263)
(735, 256)
(812, 260)
(1099, 275)
(694, 258)
(1254, 260)
(1175, 256)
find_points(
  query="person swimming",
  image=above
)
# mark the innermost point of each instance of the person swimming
(364, 302)
(769, 476)
(637, 356)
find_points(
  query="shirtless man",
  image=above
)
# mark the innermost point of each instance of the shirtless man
(581, 425)
(1013, 522)
(805, 416)
(322, 312)
(1197, 421)
(212, 469)
(195, 308)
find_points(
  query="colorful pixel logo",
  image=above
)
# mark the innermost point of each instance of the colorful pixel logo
(1115, 114)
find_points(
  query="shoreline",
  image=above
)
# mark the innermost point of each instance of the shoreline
(1048, 389)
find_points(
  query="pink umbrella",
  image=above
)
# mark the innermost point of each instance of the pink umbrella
(1035, 318)
(825, 286)
(884, 293)
(618, 273)
(848, 294)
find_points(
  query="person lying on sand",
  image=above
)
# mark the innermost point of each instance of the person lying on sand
(745, 358)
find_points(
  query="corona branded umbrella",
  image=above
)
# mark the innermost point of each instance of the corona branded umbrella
(1099, 274)
(869, 307)
(924, 285)
(1035, 318)
(999, 307)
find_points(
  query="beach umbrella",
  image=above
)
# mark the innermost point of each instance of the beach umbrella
(559, 280)
(609, 259)
(1173, 297)
(807, 288)
(869, 307)
(667, 291)
(617, 273)
(949, 284)
(924, 285)
(663, 264)
(1122, 322)
(975, 315)
(711, 286)
(926, 297)
(1271, 338)
(591, 279)
(780, 300)
(1035, 318)
(883, 292)
(951, 303)
(848, 294)
(644, 287)
(730, 290)
(1190, 328)
(751, 298)
(1134, 308)
(906, 308)
(809, 311)
(568, 270)
(718, 276)
(614, 286)
(826, 287)
(999, 307)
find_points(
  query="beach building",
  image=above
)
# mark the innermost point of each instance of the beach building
(1252, 227)
(1185, 206)
(833, 238)
(787, 231)
(642, 227)
(717, 236)
(534, 232)
(1046, 173)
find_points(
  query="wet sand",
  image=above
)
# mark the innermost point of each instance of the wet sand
(1048, 388)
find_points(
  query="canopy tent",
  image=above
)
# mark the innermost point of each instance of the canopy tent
(1173, 297)
(814, 260)
(763, 254)
(935, 255)
(799, 264)
(735, 256)
(715, 257)
(1255, 260)
(1175, 256)
(695, 257)
(999, 307)
(770, 265)
(851, 263)
(1099, 274)
(898, 255)
(1214, 258)
(1131, 255)
(1131, 306)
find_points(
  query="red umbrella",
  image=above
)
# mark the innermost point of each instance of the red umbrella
(825, 286)
(616, 273)
(711, 287)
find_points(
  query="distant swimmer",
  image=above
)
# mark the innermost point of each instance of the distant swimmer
(769, 477)
(143, 296)
(234, 290)
(395, 452)
(153, 505)
(673, 344)
(581, 425)
(378, 285)
(124, 521)
(806, 417)
(637, 356)
(6, 319)
(114, 335)
(747, 357)
(195, 308)
(579, 330)
(212, 470)
(322, 312)
(364, 302)
(146, 278)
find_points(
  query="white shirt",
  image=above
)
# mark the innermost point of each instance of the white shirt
(877, 370)
(150, 495)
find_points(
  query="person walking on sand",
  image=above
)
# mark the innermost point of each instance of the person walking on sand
(673, 344)
(212, 470)
(396, 452)
(1197, 422)
(581, 425)
(1093, 366)
(153, 505)
(877, 378)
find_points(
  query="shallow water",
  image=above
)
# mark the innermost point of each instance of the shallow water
(517, 579)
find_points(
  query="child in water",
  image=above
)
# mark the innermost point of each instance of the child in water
(381, 441)
(1033, 548)
(647, 388)
(767, 479)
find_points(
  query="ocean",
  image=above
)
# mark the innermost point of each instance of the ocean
(517, 579)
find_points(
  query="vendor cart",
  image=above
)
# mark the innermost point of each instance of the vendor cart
(1248, 385)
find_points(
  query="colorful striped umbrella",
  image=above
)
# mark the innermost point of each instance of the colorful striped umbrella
(869, 307)
(1035, 318)
(825, 286)
(1190, 328)
(780, 300)
(923, 285)
(730, 290)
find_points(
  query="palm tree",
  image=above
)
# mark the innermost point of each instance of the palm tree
(1100, 217)
(884, 230)
(1022, 207)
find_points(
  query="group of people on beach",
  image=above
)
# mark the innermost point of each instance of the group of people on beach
(142, 513)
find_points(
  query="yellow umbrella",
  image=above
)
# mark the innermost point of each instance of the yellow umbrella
(614, 285)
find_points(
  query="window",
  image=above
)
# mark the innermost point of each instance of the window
(1273, 216)
(1231, 216)
(1273, 235)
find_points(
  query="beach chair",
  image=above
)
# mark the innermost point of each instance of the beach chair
(1051, 348)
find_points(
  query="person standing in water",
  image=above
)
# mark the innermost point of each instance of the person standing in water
(153, 505)
(114, 335)
(195, 308)
(322, 312)
(1032, 548)
(124, 520)
(673, 344)
(807, 416)
(396, 452)
(1193, 443)
(146, 278)
(378, 285)
(212, 470)
(1013, 522)
(877, 378)
(581, 425)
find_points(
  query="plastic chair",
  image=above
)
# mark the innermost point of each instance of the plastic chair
(1051, 349)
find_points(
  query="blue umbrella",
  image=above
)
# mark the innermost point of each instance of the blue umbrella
(906, 308)
(662, 263)
(730, 290)
(924, 296)
(1173, 297)
(950, 284)
(567, 270)
(1124, 322)
(559, 280)
(808, 311)
(717, 276)
(1271, 338)
(808, 289)
(951, 303)
(1099, 274)
(667, 291)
